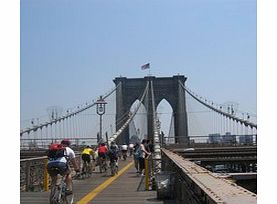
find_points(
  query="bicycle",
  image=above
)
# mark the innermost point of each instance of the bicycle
(58, 189)
(131, 152)
(102, 165)
(86, 173)
(114, 167)
(124, 154)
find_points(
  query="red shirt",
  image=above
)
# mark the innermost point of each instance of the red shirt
(102, 149)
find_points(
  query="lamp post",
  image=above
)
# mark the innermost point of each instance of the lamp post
(100, 110)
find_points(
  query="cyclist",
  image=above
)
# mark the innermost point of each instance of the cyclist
(113, 153)
(114, 145)
(87, 153)
(102, 151)
(124, 149)
(61, 162)
(131, 149)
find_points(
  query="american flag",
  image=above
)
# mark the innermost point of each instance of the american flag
(145, 66)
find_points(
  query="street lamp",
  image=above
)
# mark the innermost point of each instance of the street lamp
(100, 109)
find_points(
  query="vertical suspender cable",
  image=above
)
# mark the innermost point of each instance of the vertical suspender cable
(60, 127)
(46, 134)
(157, 145)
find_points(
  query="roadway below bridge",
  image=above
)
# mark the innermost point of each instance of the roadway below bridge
(238, 159)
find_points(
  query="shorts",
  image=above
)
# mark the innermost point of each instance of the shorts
(113, 159)
(86, 158)
(141, 163)
(102, 155)
(55, 168)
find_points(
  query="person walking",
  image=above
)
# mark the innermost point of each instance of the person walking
(143, 154)
(136, 156)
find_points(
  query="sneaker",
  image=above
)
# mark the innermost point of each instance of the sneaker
(68, 192)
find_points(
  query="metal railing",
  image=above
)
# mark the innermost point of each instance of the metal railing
(43, 143)
(195, 184)
(149, 172)
(33, 174)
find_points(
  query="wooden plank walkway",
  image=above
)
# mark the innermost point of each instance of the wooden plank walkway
(127, 188)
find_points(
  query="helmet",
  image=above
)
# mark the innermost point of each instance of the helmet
(65, 142)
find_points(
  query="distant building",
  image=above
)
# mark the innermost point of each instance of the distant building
(246, 139)
(228, 138)
(214, 138)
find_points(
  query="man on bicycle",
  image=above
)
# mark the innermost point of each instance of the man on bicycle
(131, 149)
(124, 149)
(60, 162)
(113, 153)
(102, 151)
(87, 153)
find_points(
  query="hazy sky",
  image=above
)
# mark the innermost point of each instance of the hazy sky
(70, 51)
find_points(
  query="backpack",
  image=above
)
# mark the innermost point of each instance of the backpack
(138, 153)
(55, 151)
(113, 154)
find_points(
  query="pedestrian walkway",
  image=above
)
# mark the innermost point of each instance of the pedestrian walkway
(127, 187)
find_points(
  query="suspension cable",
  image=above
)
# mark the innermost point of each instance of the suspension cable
(28, 130)
(157, 145)
(131, 116)
(228, 115)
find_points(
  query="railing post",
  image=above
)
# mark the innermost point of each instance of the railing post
(45, 177)
(28, 176)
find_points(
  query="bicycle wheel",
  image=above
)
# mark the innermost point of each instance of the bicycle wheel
(116, 169)
(55, 195)
(100, 165)
(112, 169)
(65, 199)
(69, 199)
(85, 170)
(105, 167)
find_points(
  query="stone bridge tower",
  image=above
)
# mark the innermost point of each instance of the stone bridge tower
(167, 88)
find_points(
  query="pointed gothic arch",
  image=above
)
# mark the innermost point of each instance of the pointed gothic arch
(169, 88)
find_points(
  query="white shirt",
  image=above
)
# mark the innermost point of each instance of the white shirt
(143, 150)
(124, 147)
(69, 153)
(131, 146)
